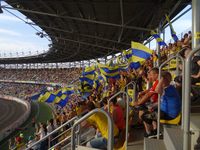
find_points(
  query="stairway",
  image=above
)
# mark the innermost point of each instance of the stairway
(84, 148)
(173, 137)
(195, 130)
(173, 140)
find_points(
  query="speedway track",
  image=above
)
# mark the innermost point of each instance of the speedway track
(10, 111)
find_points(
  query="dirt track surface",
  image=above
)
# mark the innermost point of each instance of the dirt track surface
(10, 111)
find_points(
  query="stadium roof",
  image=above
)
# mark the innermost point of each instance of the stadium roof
(87, 29)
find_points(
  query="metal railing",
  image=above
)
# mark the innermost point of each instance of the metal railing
(159, 96)
(187, 103)
(65, 139)
(134, 89)
(110, 127)
(53, 132)
(127, 112)
(80, 143)
(177, 62)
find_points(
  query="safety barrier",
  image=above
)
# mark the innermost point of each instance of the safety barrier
(127, 112)
(187, 103)
(10, 128)
(159, 96)
(53, 132)
(110, 127)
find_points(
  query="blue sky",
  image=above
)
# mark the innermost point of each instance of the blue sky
(182, 25)
(17, 36)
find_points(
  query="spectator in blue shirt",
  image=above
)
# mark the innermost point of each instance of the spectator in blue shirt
(170, 100)
(170, 105)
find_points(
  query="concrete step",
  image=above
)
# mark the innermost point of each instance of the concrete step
(195, 129)
(195, 109)
(154, 144)
(173, 138)
(85, 148)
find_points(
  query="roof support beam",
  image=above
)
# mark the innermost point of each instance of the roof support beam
(172, 11)
(122, 20)
(89, 44)
(84, 35)
(79, 19)
(52, 11)
(68, 55)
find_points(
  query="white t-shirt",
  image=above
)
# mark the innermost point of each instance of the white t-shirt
(49, 129)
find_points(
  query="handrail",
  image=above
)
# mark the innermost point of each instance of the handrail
(110, 127)
(127, 112)
(64, 147)
(60, 134)
(177, 62)
(159, 96)
(133, 83)
(183, 85)
(54, 131)
(186, 129)
(67, 138)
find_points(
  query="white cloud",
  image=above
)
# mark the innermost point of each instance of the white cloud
(8, 18)
(182, 25)
(8, 46)
(9, 32)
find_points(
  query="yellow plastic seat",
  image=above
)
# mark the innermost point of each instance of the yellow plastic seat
(174, 121)
(198, 84)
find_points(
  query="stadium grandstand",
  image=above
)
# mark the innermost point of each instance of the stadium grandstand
(100, 85)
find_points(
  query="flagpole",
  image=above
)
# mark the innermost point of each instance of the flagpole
(158, 48)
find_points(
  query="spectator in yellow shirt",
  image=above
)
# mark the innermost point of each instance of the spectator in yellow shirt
(100, 122)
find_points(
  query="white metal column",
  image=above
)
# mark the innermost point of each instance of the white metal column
(195, 23)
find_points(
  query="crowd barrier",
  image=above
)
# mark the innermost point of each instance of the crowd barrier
(10, 128)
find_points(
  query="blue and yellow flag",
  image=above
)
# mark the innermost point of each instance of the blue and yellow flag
(58, 93)
(137, 55)
(36, 96)
(68, 90)
(158, 39)
(88, 75)
(109, 71)
(110, 63)
(123, 67)
(59, 97)
(62, 101)
(87, 80)
(47, 97)
(173, 33)
(90, 70)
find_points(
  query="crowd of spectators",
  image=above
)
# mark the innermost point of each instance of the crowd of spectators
(172, 48)
(60, 116)
(144, 106)
(41, 75)
(22, 91)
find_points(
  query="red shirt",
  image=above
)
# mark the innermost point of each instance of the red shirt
(154, 97)
(120, 122)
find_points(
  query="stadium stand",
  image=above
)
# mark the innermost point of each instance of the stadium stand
(41, 75)
(74, 107)
(157, 95)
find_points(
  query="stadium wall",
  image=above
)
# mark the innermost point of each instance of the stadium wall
(10, 128)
